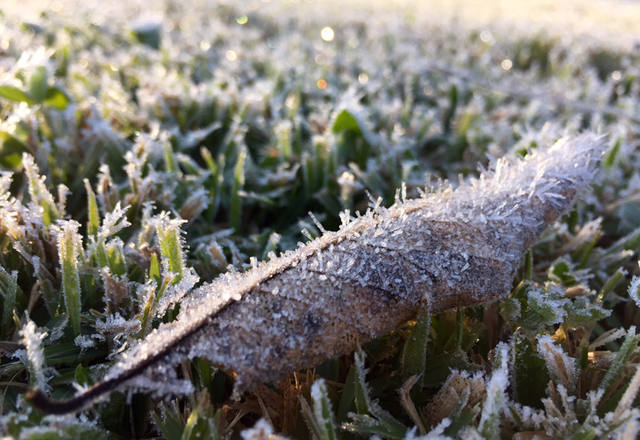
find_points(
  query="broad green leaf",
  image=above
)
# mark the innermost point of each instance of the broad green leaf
(14, 94)
(11, 150)
(56, 98)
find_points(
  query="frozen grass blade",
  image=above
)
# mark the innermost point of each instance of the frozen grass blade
(69, 249)
(321, 420)
(9, 292)
(495, 401)
(170, 242)
(32, 340)
(38, 191)
(93, 220)
(371, 418)
(323, 411)
(610, 381)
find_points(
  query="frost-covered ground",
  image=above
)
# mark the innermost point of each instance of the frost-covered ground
(147, 147)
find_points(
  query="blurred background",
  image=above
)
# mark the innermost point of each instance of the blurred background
(616, 20)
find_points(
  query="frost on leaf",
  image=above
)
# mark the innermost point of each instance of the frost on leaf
(535, 308)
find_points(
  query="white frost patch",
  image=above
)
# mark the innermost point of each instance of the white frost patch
(437, 433)
(262, 430)
(87, 341)
(634, 289)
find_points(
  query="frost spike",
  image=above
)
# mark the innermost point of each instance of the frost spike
(455, 248)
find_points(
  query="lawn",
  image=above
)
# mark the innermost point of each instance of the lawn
(146, 150)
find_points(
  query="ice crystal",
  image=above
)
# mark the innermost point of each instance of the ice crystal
(175, 292)
(113, 222)
(86, 341)
(117, 327)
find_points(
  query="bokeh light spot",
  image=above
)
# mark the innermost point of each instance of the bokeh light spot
(327, 33)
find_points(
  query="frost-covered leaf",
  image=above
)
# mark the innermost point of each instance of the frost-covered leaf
(536, 308)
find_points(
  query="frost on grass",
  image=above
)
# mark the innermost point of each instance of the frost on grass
(32, 340)
(460, 390)
(262, 430)
(451, 247)
(634, 289)
(40, 195)
(437, 433)
(69, 251)
(561, 366)
(496, 399)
